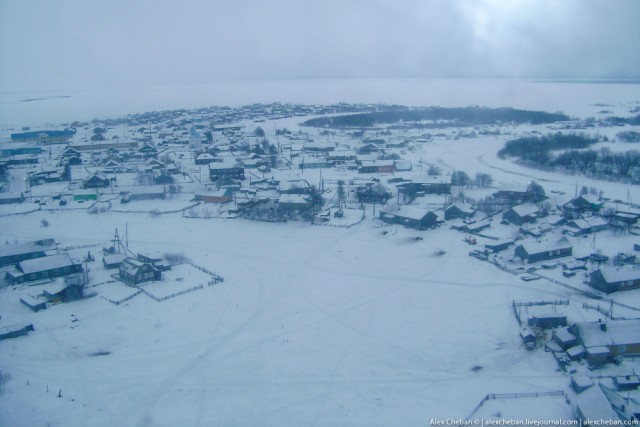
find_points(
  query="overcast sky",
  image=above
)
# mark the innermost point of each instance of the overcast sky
(61, 44)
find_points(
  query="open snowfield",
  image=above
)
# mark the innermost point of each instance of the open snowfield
(312, 326)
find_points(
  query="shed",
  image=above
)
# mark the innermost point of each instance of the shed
(14, 331)
(35, 304)
(576, 352)
(626, 382)
(580, 383)
(564, 338)
(498, 246)
(597, 356)
(113, 260)
(547, 320)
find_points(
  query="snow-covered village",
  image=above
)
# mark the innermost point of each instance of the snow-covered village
(292, 213)
(338, 264)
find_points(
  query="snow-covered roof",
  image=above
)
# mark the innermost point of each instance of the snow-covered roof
(27, 247)
(293, 198)
(526, 209)
(620, 274)
(584, 224)
(518, 188)
(564, 335)
(131, 265)
(410, 212)
(594, 405)
(45, 263)
(463, 207)
(114, 258)
(618, 332)
(546, 246)
(377, 163)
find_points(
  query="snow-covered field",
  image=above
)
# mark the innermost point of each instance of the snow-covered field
(312, 326)
(362, 324)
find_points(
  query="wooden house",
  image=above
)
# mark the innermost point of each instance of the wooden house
(65, 289)
(97, 180)
(42, 268)
(294, 202)
(543, 251)
(611, 279)
(521, 214)
(458, 210)
(222, 195)
(582, 204)
(134, 271)
(70, 152)
(513, 194)
(580, 227)
(377, 166)
(226, 170)
(619, 337)
(315, 163)
(410, 217)
(205, 159)
(294, 186)
(372, 194)
(13, 254)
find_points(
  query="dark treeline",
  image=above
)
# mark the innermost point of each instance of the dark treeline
(467, 116)
(541, 152)
(614, 120)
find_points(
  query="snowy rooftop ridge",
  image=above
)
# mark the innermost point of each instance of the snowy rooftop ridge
(614, 275)
(27, 247)
(45, 263)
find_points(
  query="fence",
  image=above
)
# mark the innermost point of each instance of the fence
(124, 299)
(498, 396)
(215, 277)
(166, 297)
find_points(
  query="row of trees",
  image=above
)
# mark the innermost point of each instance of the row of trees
(569, 153)
(467, 116)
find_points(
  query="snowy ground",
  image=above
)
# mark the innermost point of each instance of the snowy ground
(312, 326)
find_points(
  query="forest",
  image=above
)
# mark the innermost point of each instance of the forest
(466, 116)
(570, 153)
